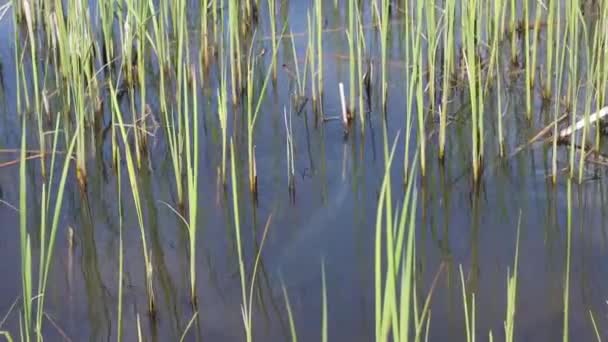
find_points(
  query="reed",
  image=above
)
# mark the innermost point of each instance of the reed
(560, 59)
(528, 56)
(222, 96)
(469, 310)
(470, 29)
(448, 69)
(246, 296)
(290, 152)
(553, 10)
(512, 291)
(292, 326)
(420, 86)
(192, 171)
(384, 19)
(394, 245)
(566, 291)
(29, 21)
(235, 49)
(272, 12)
(319, 42)
(252, 112)
(117, 117)
(572, 26)
(364, 79)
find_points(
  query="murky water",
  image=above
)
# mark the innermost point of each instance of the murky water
(330, 221)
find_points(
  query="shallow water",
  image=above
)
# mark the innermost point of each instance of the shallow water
(330, 221)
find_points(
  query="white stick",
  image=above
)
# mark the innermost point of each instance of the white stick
(344, 115)
(581, 123)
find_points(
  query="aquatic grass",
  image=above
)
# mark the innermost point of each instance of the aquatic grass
(448, 69)
(552, 26)
(432, 41)
(364, 79)
(470, 31)
(598, 337)
(27, 9)
(560, 62)
(300, 79)
(222, 98)
(384, 19)
(47, 232)
(119, 304)
(324, 314)
(273, 32)
(318, 4)
(528, 56)
(117, 118)
(246, 298)
(252, 113)
(204, 28)
(469, 309)
(25, 321)
(418, 61)
(566, 290)
(234, 48)
(292, 325)
(352, 61)
(290, 152)
(192, 172)
(393, 284)
(572, 25)
(512, 291)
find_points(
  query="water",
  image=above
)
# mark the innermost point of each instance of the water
(330, 221)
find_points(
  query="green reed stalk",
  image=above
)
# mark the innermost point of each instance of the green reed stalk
(572, 22)
(448, 69)
(27, 9)
(384, 19)
(192, 163)
(513, 29)
(551, 42)
(204, 31)
(131, 170)
(290, 150)
(432, 35)
(319, 42)
(237, 229)
(361, 50)
(323, 304)
(300, 77)
(558, 86)
(120, 252)
(272, 12)
(292, 325)
(222, 98)
(310, 52)
(252, 114)
(528, 55)
(512, 291)
(420, 86)
(25, 244)
(495, 67)
(235, 48)
(469, 30)
(566, 294)
(352, 40)
(537, 21)
(392, 306)
(589, 94)
(469, 310)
